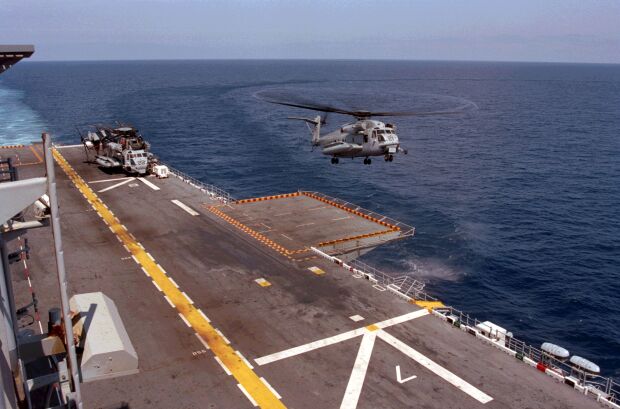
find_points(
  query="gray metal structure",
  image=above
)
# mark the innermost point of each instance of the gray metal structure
(11, 54)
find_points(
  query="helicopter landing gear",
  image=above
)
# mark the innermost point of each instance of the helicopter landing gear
(367, 161)
(389, 158)
(335, 161)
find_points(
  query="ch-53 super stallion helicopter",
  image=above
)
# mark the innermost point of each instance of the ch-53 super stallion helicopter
(363, 138)
(121, 147)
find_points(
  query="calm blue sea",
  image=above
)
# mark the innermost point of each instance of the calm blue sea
(516, 204)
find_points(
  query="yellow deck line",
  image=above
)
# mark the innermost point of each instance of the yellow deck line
(252, 383)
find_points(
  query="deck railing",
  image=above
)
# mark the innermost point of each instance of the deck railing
(600, 387)
(213, 191)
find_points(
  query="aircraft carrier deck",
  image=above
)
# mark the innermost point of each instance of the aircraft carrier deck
(227, 307)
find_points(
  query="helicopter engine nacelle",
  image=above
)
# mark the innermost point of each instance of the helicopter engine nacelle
(352, 128)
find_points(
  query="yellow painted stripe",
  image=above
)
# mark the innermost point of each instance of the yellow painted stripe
(263, 396)
(429, 305)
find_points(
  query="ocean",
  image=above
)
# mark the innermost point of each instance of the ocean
(516, 203)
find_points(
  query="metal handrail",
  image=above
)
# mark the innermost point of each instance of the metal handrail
(606, 387)
(212, 190)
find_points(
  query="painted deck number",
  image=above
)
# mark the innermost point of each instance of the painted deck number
(399, 377)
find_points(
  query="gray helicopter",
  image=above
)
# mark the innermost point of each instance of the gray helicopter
(363, 138)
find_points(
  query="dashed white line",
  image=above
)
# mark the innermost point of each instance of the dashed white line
(156, 286)
(341, 218)
(284, 235)
(270, 388)
(149, 255)
(244, 360)
(305, 224)
(187, 296)
(222, 335)
(172, 281)
(169, 302)
(202, 341)
(204, 316)
(219, 361)
(185, 207)
(247, 395)
(185, 320)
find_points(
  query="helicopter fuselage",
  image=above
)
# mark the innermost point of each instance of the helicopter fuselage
(364, 138)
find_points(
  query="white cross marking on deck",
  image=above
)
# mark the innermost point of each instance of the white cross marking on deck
(116, 185)
(369, 335)
(435, 368)
(185, 207)
(337, 338)
(356, 381)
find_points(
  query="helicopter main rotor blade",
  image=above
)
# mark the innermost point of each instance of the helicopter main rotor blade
(303, 105)
(362, 114)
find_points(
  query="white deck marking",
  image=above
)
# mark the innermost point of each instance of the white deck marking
(149, 184)
(116, 185)
(244, 360)
(402, 318)
(156, 286)
(400, 379)
(310, 346)
(341, 218)
(267, 359)
(222, 335)
(219, 361)
(279, 214)
(202, 341)
(436, 368)
(270, 388)
(68, 146)
(110, 180)
(317, 208)
(305, 224)
(204, 316)
(187, 296)
(185, 207)
(247, 395)
(356, 380)
(169, 302)
(285, 236)
(185, 320)
(356, 318)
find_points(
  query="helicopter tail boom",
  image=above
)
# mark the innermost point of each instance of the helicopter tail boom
(316, 129)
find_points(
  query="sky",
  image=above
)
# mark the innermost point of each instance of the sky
(523, 30)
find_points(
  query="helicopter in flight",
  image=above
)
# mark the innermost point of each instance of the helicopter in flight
(365, 137)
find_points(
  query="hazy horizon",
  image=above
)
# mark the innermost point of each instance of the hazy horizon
(479, 30)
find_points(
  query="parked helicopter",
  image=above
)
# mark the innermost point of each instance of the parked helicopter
(118, 147)
(365, 137)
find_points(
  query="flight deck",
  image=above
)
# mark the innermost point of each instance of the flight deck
(228, 306)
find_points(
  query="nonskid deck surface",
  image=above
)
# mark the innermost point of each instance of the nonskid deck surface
(292, 223)
(191, 288)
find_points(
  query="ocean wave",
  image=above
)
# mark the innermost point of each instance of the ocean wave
(18, 123)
